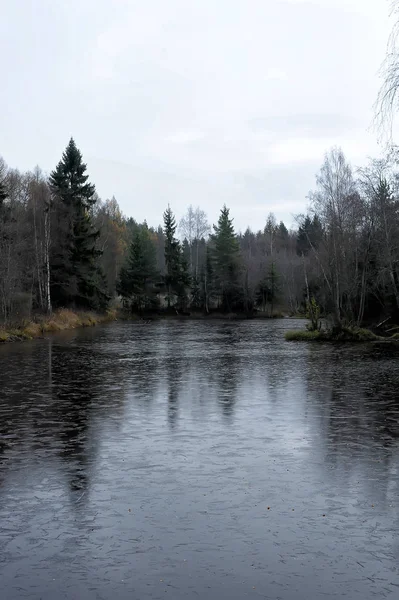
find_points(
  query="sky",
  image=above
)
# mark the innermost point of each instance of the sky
(200, 102)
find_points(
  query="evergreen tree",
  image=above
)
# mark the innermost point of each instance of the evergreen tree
(75, 273)
(138, 276)
(267, 290)
(196, 296)
(226, 255)
(302, 240)
(206, 281)
(184, 283)
(282, 231)
(273, 286)
(310, 234)
(262, 294)
(176, 277)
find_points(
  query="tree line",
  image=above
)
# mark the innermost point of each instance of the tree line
(61, 246)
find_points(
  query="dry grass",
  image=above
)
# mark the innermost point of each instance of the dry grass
(60, 320)
(4, 336)
(32, 330)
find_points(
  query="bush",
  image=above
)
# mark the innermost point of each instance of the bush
(313, 313)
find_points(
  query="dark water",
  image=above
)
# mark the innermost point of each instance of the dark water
(198, 460)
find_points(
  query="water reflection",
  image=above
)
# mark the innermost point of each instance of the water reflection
(355, 406)
(164, 445)
(228, 372)
(173, 379)
(72, 403)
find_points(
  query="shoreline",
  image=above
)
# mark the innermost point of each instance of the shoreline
(347, 335)
(67, 319)
(61, 320)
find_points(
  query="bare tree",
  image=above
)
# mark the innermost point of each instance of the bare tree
(387, 100)
(40, 204)
(202, 230)
(187, 230)
(194, 227)
(336, 203)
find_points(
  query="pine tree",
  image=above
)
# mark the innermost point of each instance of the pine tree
(75, 273)
(226, 257)
(138, 276)
(177, 277)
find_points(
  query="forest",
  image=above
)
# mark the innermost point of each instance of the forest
(62, 246)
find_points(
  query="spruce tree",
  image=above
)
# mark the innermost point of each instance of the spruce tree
(75, 273)
(138, 276)
(184, 282)
(282, 231)
(262, 294)
(226, 256)
(310, 234)
(177, 277)
(267, 290)
(196, 296)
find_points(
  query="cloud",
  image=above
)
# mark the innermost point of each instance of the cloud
(204, 102)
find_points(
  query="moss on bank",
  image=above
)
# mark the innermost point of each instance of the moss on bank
(60, 320)
(346, 334)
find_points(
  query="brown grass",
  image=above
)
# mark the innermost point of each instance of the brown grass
(60, 320)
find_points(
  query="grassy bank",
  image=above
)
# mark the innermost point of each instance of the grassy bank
(346, 334)
(60, 320)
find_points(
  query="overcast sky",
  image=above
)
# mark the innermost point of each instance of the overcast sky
(192, 101)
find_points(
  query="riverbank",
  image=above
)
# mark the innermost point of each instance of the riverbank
(66, 319)
(346, 334)
(60, 320)
(201, 316)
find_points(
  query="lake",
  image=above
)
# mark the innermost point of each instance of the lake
(192, 459)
